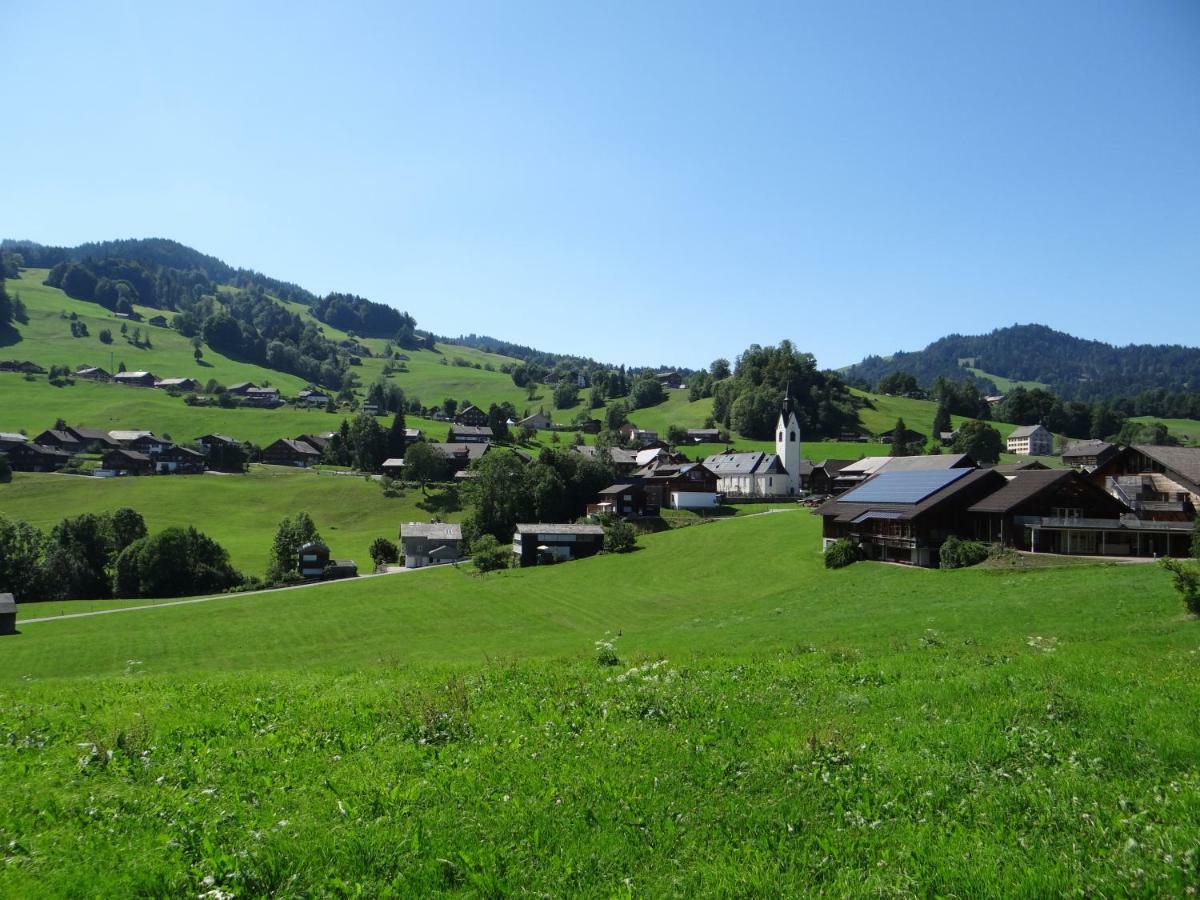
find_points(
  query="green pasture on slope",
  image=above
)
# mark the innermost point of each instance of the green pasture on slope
(769, 728)
(241, 512)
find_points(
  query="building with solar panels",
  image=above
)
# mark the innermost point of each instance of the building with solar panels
(904, 516)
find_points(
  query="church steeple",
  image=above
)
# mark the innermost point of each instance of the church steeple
(787, 440)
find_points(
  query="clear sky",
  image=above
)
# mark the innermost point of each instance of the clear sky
(642, 182)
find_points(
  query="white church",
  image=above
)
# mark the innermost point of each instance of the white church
(759, 474)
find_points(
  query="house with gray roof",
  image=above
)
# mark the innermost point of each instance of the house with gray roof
(430, 544)
(1031, 440)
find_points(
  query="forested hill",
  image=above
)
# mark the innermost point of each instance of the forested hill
(1074, 368)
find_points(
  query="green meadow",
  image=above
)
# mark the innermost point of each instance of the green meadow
(241, 512)
(769, 728)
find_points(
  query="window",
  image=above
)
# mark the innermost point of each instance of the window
(780, 438)
(793, 437)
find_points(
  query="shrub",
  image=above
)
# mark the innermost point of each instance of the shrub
(489, 554)
(1187, 582)
(384, 551)
(619, 537)
(841, 553)
(176, 562)
(959, 554)
(606, 653)
(1196, 539)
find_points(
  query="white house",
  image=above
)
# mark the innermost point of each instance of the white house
(1031, 440)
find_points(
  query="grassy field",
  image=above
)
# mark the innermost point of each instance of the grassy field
(772, 728)
(241, 512)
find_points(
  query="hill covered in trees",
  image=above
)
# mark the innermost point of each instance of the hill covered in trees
(1073, 368)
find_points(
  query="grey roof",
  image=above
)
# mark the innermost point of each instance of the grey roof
(932, 461)
(62, 436)
(220, 438)
(89, 434)
(438, 531)
(12, 437)
(617, 489)
(7, 603)
(1184, 461)
(128, 454)
(1013, 468)
(175, 381)
(1087, 448)
(1025, 430)
(1024, 486)
(122, 436)
(471, 451)
(297, 447)
(474, 430)
(551, 528)
(133, 375)
(726, 464)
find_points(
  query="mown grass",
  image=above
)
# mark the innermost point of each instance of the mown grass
(1187, 430)
(773, 728)
(241, 512)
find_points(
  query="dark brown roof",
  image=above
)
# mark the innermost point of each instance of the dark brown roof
(1027, 485)
(471, 451)
(1183, 461)
(1014, 468)
(296, 447)
(973, 480)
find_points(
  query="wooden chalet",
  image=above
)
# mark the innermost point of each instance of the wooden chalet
(207, 441)
(1061, 511)
(239, 388)
(471, 415)
(469, 434)
(460, 455)
(261, 396)
(285, 452)
(178, 384)
(149, 444)
(669, 379)
(159, 321)
(311, 397)
(624, 500)
(127, 462)
(704, 435)
(179, 461)
(672, 485)
(1155, 482)
(136, 379)
(539, 421)
(92, 438)
(1089, 454)
(32, 457)
(540, 544)
(61, 440)
(92, 373)
(10, 439)
(823, 474)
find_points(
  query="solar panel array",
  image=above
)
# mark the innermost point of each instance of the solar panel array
(903, 487)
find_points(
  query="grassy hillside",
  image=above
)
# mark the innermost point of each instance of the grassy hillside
(240, 512)
(771, 728)
(1187, 430)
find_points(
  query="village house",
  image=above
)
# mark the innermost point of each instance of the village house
(11, 439)
(1156, 482)
(92, 373)
(393, 467)
(669, 379)
(285, 452)
(61, 440)
(904, 516)
(92, 438)
(671, 485)
(1031, 440)
(1008, 470)
(1088, 455)
(857, 472)
(149, 444)
(31, 457)
(539, 421)
(703, 435)
(310, 397)
(623, 461)
(179, 461)
(589, 426)
(471, 415)
(239, 388)
(430, 544)
(127, 462)
(823, 474)
(539, 544)
(178, 384)
(319, 442)
(638, 436)
(460, 455)
(261, 396)
(125, 437)
(137, 379)
(1061, 511)
(469, 434)
(159, 321)
(207, 441)
(624, 500)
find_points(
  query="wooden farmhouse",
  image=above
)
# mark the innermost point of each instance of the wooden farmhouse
(285, 452)
(471, 415)
(31, 457)
(127, 462)
(137, 379)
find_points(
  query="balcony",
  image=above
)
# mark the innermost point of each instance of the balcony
(1131, 523)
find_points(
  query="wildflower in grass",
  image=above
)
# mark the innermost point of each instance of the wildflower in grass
(606, 653)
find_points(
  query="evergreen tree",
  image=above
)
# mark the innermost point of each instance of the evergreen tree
(395, 438)
(900, 439)
(291, 535)
(941, 421)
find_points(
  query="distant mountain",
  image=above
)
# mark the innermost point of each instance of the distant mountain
(1074, 368)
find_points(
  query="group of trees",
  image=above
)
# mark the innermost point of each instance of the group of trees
(367, 318)
(556, 487)
(749, 401)
(97, 555)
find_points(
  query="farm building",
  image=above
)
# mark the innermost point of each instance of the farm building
(539, 421)
(179, 461)
(469, 434)
(61, 440)
(11, 439)
(461, 455)
(207, 441)
(669, 379)
(430, 544)
(159, 321)
(1088, 454)
(312, 398)
(149, 444)
(703, 435)
(92, 373)
(8, 614)
(137, 379)
(286, 452)
(539, 544)
(178, 384)
(261, 396)
(31, 457)
(239, 389)
(127, 462)
(92, 438)
(125, 438)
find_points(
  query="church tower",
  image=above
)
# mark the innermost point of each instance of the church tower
(787, 442)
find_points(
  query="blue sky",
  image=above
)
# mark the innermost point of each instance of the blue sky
(639, 182)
